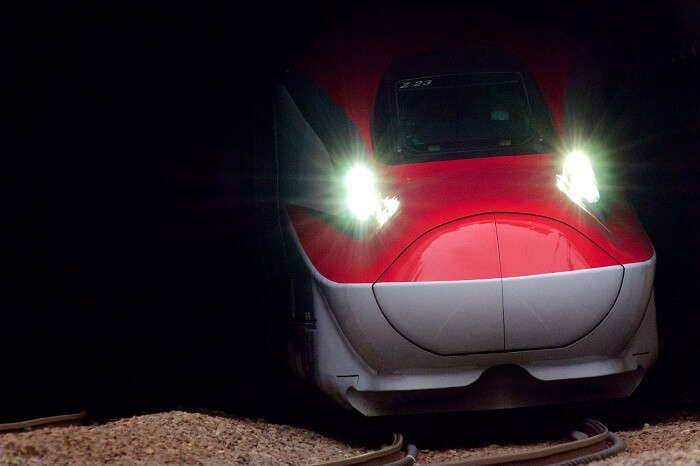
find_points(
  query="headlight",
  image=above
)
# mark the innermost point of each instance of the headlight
(363, 199)
(577, 179)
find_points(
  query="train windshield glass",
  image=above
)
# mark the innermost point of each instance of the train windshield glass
(466, 113)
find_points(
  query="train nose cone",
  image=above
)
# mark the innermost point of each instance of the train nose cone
(443, 292)
(498, 282)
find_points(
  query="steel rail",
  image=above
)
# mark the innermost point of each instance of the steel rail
(592, 442)
(40, 421)
(375, 458)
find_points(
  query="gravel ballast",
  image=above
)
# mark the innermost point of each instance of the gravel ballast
(174, 437)
(181, 437)
(669, 443)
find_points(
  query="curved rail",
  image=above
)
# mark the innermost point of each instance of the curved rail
(592, 442)
(375, 458)
(40, 421)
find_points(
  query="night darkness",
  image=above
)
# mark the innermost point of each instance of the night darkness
(142, 268)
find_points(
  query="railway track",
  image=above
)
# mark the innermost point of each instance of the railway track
(589, 442)
(41, 421)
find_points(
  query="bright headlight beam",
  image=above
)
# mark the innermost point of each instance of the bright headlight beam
(363, 199)
(389, 207)
(577, 179)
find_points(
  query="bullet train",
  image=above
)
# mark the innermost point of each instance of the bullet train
(448, 247)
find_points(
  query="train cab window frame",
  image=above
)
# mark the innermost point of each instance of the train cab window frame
(389, 131)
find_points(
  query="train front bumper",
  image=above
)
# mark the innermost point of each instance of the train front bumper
(364, 362)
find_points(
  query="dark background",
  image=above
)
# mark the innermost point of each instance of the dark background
(141, 269)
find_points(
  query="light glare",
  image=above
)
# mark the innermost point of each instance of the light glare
(364, 201)
(389, 207)
(577, 179)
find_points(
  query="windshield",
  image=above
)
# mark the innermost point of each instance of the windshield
(459, 103)
(462, 113)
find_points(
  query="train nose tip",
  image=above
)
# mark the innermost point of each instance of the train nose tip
(443, 292)
(498, 282)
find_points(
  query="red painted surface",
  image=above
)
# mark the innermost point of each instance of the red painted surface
(532, 245)
(466, 249)
(435, 193)
(349, 69)
(340, 257)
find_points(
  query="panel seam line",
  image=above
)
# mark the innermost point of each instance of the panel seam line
(500, 270)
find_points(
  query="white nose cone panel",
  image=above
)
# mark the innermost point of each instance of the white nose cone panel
(555, 309)
(445, 317)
